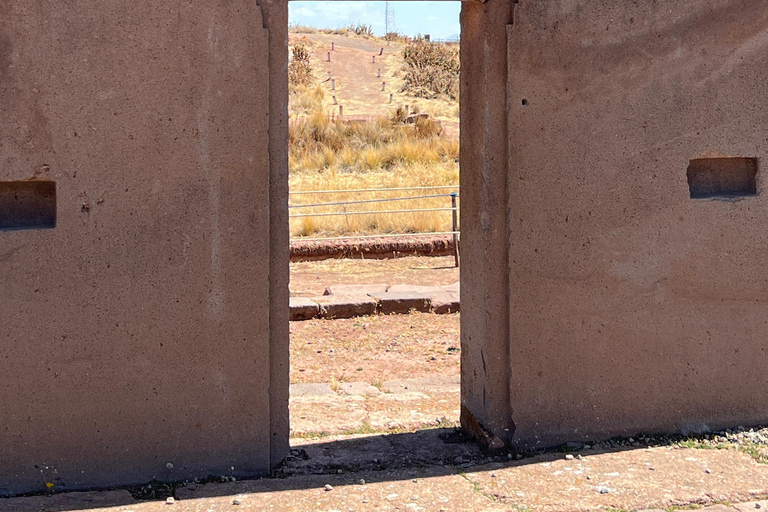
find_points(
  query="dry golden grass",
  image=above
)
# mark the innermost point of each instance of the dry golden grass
(327, 153)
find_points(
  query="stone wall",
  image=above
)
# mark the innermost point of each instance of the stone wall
(633, 306)
(142, 178)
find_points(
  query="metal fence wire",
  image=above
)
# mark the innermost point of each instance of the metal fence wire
(453, 208)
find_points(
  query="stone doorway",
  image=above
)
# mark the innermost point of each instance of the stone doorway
(485, 411)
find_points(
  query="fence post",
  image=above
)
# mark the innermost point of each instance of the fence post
(455, 229)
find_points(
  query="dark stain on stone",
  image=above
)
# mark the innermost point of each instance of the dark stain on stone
(5, 58)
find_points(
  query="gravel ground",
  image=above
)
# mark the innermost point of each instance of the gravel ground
(752, 441)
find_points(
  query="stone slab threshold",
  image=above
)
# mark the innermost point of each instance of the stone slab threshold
(355, 407)
(348, 301)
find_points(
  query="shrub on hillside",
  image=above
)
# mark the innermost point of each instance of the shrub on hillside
(432, 70)
(300, 67)
(361, 29)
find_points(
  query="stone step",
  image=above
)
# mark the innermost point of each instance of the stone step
(348, 301)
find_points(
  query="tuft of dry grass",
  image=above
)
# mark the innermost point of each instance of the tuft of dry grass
(328, 153)
(319, 141)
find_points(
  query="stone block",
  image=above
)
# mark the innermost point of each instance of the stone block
(310, 389)
(444, 302)
(402, 302)
(358, 388)
(454, 287)
(429, 385)
(346, 306)
(303, 308)
(354, 289)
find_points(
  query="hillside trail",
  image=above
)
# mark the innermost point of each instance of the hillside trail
(352, 66)
(355, 65)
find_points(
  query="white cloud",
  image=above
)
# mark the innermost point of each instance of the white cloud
(304, 11)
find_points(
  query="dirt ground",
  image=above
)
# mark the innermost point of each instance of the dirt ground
(379, 348)
(311, 278)
(374, 349)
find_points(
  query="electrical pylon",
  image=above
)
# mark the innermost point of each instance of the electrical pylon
(390, 18)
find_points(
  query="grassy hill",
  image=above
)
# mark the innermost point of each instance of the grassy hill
(373, 145)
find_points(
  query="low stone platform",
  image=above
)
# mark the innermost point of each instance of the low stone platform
(348, 301)
(360, 406)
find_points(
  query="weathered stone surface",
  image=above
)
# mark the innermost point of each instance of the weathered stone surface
(136, 332)
(454, 287)
(445, 302)
(355, 289)
(303, 308)
(358, 388)
(346, 306)
(402, 302)
(625, 304)
(423, 385)
(310, 389)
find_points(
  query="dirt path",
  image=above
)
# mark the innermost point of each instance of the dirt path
(310, 278)
(358, 87)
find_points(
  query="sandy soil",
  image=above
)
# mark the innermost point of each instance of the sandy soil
(375, 349)
(310, 278)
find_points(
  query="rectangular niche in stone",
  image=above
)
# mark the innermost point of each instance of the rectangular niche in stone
(27, 204)
(722, 177)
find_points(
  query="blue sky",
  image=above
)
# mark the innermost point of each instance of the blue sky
(438, 19)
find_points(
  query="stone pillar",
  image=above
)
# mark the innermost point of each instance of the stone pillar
(485, 411)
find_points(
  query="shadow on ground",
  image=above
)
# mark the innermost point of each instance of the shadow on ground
(342, 461)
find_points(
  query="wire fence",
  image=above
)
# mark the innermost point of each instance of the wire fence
(436, 204)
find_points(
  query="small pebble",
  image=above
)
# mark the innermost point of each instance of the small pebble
(365, 501)
(603, 490)
(493, 475)
(361, 481)
(169, 500)
(328, 487)
(579, 457)
(569, 457)
(589, 477)
(235, 502)
(757, 505)
(708, 471)
(169, 465)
